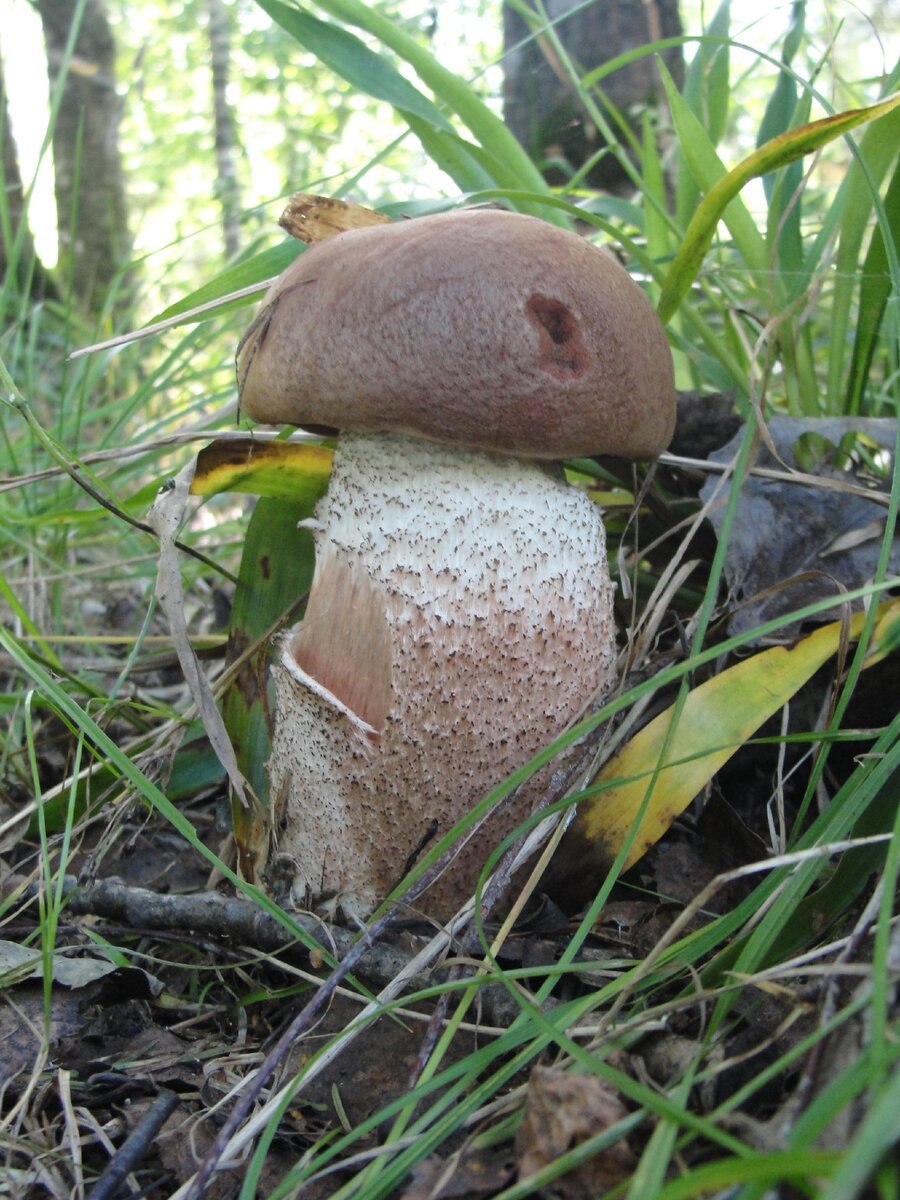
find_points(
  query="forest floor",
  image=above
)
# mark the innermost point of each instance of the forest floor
(128, 1028)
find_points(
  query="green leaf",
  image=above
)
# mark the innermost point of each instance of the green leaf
(709, 173)
(249, 273)
(371, 73)
(812, 914)
(352, 59)
(275, 575)
(451, 91)
(706, 88)
(707, 76)
(785, 110)
(772, 1168)
(874, 290)
(873, 1142)
(454, 155)
(780, 110)
(851, 216)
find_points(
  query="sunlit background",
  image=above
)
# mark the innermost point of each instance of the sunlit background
(300, 128)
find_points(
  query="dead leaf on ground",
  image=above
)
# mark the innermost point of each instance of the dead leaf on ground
(562, 1110)
(378, 1070)
(640, 791)
(782, 530)
(473, 1173)
(87, 1019)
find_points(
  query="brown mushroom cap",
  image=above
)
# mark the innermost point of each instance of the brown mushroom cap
(485, 329)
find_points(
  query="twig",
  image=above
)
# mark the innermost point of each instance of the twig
(212, 914)
(135, 1146)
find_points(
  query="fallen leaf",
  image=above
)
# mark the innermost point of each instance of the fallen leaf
(562, 1110)
(657, 774)
(18, 963)
(792, 542)
(473, 1173)
(312, 219)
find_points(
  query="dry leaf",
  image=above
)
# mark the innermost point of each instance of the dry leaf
(717, 718)
(790, 543)
(473, 1173)
(312, 219)
(562, 1110)
(165, 518)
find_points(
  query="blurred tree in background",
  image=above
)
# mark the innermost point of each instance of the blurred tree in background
(92, 214)
(228, 188)
(542, 103)
(198, 115)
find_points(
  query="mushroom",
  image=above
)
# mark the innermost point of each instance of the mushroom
(460, 616)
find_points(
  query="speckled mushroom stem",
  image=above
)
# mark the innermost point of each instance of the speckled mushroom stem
(460, 618)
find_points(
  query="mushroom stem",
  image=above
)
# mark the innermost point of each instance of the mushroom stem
(460, 618)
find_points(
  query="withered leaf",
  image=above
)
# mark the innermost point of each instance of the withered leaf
(312, 219)
(562, 1110)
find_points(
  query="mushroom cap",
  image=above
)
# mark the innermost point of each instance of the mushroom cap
(485, 329)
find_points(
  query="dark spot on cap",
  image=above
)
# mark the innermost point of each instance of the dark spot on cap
(560, 347)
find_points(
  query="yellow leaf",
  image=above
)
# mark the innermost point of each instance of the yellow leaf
(288, 470)
(716, 719)
(312, 219)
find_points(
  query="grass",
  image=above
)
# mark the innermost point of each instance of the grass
(793, 309)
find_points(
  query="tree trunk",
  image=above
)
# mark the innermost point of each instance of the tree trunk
(94, 242)
(227, 186)
(543, 108)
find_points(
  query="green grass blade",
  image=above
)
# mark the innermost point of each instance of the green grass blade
(875, 1139)
(774, 1167)
(707, 75)
(722, 192)
(709, 173)
(851, 215)
(448, 89)
(657, 227)
(373, 74)
(715, 71)
(786, 110)
(874, 289)
(251, 272)
(866, 802)
(354, 61)
(469, 165)
(104, 746)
